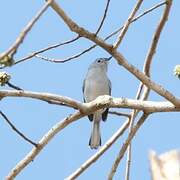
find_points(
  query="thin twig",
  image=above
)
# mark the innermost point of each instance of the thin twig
(104, 17)
(101, 151)
(127, 23)
(126, 144)
(16, 130)
(13, 86)
(12, 50)
(59, 103)
(120, 114)
(46, 49)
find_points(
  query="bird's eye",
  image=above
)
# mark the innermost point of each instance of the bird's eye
(99, 61)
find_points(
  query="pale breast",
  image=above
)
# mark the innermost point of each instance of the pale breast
(95, 86)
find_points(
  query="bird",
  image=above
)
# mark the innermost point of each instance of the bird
(97, 83)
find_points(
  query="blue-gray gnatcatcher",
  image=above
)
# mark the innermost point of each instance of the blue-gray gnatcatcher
(95, 84)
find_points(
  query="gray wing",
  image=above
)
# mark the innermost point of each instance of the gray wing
(105, 114)
(90, 116)
(110, 86)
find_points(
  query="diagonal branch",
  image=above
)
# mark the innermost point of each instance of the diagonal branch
(127, 23)
(13, 86)
(126, 144)
(16, 130)
(156, 37)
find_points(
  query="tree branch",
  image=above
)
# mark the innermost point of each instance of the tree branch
(126, 144)
(99, 103)
(42, 96)
(13, 86)
(156, 37)
(120, 113)
(104, 17)
(127, 23)
(16, 130)
(77, 29)
(46, 49)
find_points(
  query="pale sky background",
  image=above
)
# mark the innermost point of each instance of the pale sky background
(69, 149)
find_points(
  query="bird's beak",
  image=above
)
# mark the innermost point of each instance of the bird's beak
(108, 59)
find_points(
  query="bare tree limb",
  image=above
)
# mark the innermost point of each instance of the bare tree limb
(156, 37)
(146, 69)
(16, 130)
(126, 144)
(99, 103)
(145, 79)
(154, 44)
(127, 23)
(100, 152)
(41, 96)
(12, 50)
